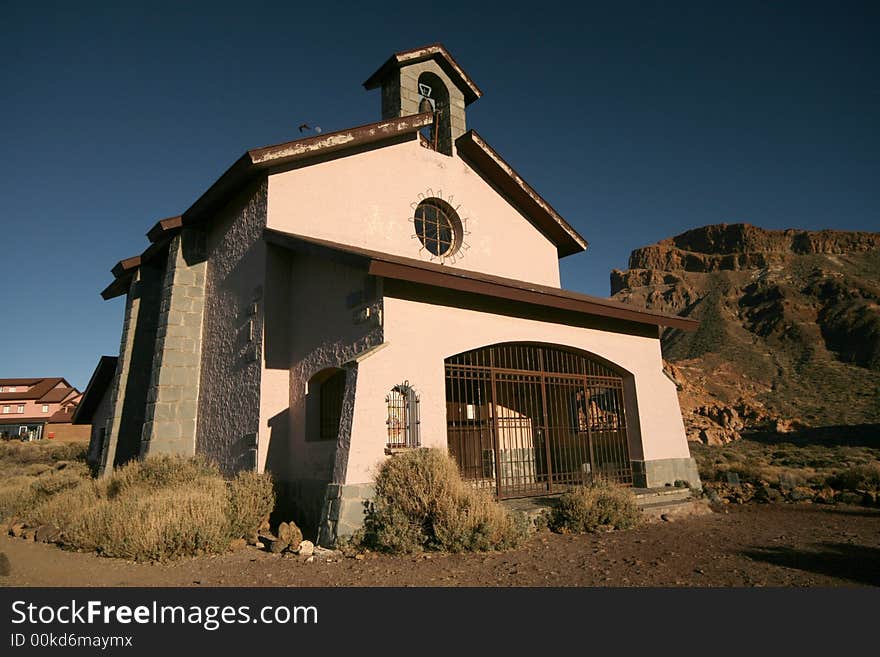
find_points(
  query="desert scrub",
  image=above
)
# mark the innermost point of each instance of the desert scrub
(857, 478)
(601, 505)
(251, 500)
(17, 457)
(422, 503)
(163, 507)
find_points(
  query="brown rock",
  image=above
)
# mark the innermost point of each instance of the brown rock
(47, 534)
(17, 529)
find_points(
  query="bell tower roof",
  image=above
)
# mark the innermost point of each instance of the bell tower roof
(439, 54)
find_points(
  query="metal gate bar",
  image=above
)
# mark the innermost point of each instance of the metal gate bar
(525, 419)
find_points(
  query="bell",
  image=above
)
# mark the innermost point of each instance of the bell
(425, 106)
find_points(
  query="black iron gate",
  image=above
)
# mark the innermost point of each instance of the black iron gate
(525, 419)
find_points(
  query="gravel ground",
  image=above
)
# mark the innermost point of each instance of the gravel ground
(749, 545)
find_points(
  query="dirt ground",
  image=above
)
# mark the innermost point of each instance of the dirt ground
(750, 545)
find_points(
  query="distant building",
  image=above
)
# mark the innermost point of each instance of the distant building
(33, 409)
(331, 301)
(94, 406)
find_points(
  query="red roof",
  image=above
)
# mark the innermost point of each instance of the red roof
(38, 390)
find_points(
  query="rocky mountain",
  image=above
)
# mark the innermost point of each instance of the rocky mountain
(789, 333)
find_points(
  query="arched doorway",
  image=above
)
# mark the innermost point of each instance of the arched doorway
(529, 419)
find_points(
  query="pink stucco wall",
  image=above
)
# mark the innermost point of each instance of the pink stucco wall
(419, 336)
(367, 200)
(31, 409)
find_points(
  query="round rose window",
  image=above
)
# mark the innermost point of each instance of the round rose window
(438, 227)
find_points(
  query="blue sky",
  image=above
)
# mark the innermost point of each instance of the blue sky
(637, 121)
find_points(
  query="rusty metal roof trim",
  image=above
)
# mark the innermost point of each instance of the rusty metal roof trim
(434, 51)
(475, 149)
(258, 160)
(408, 269)
(333, 141)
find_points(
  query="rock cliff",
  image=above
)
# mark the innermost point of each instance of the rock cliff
(789, 331)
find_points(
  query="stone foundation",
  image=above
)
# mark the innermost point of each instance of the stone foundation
(343, 512)
(663, 472)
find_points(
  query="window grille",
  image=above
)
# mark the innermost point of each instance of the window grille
(403, 417)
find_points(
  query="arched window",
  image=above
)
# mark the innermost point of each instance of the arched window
(324, 404)
(403, 417)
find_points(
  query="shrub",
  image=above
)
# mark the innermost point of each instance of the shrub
(590, 508)
(169, 523)
(860, 477)
(422, 503)
(158, 472)
(18, 457)
(251, 500)
(160, 508)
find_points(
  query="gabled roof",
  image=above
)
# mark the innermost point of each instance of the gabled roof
(260, 161)
(436, 52)
(61, 417)
(101, 379)
(484, 158)
(18, 382)
(58, 395)
(462, 280)
(39, 389)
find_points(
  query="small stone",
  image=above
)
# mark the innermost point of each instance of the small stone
(47, 534)
(360, 557)
(665, 517)
(310, 559)
(306, 548)
(259, 545)
(237, 544)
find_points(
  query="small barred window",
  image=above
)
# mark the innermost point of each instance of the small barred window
(403, 417)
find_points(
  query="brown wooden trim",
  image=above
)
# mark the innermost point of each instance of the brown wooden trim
(161, 227)
(486, 160)
(463, 280)
(522, 295)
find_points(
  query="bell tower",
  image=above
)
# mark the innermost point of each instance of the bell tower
(427, 79)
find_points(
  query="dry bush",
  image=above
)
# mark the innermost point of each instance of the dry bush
(251, 500)
(17, 457)
(160, 508)
(422, 503)
(597, 506)
(160, 471)
(860, 477)
(168, 523)
(16, 496)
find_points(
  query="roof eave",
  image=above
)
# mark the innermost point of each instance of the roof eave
(479, 154)
(434, 51)
(408, 269)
